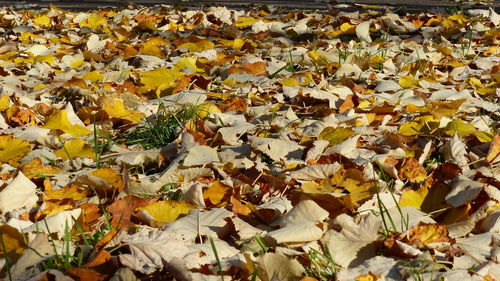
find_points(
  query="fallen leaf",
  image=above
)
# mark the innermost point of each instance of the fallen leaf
(13, 244)
(163, 212)
(12, 149)
(59, 121)
(20, 193)
(74, 148)
(424, 234)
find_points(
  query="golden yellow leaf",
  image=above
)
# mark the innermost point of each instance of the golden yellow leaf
(245, 21)
(49, 59)
(290, 82)
(408, 82)
(42, 20)
(335, 135)
(166, 211)
(75, 148)
(72, 191)
(93, 76)
(116, 108)
(353, 181)
(34, 169)
(216, 193)
(4, 102)
(154, 47)
(94, 22)
(12, 149)
(111, 176)
(187, 63)
(59, 121)
(160, 77)
(368, 277)
(199, 46)
(420, 125)
(206, 109)
(13, 242)
(424, 234)
(52, 207)
(413, 198)
(347, 27)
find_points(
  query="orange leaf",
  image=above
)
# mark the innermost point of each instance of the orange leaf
(412, 170)
(85, 274)
(350, 102)
(217, 194)
(123, 209)
(257, 68)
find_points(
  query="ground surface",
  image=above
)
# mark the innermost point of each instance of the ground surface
(318, 4)
(155, 143)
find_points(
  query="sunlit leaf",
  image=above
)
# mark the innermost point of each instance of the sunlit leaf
(59, 121)
(75, 148)
(12, 149)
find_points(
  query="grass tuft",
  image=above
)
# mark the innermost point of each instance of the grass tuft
(162, 129)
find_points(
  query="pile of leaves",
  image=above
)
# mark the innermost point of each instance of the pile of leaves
(218, 144)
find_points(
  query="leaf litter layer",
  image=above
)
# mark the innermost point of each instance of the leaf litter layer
(213, 144)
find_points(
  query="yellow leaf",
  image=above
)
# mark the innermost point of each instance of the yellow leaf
(289, 82)
(59, 121)
(166, 211)
(93, 76)
(73, 191)
(49, 59)
(424, 234)
(13, 244)
(163, 77)
(94, 22)
(187, 63)
(459, 18)
(347, 27)
(216, 193)
(460, 128)
(424, 124)
(35, 168)
(199, 46)
(245, 21)
(75, 148)
(353, 181)
(4, 102)
(413, 198)
(52, 207)
(335, 135)
(12, 149)
(154, 47)
(111, 176)
(206, 109)
(368, 277)
(408, 82)
(42, 20)
(116, 108)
